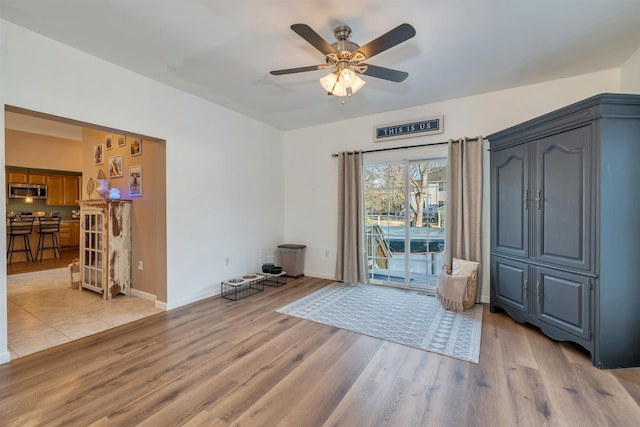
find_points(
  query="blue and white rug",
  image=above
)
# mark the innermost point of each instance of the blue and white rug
(412, 318)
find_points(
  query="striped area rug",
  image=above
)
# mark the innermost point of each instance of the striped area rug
(407, 317)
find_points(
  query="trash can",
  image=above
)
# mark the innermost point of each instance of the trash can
(291, 258)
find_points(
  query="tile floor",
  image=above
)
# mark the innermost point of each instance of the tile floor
(44, 311)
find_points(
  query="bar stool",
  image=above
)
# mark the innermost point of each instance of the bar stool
(19, 227)
(48, 227)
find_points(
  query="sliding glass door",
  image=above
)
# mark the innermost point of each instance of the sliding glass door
(405, 212)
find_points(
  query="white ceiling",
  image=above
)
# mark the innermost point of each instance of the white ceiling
(223, 50)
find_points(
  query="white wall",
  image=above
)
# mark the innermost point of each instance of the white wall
(223, 169)
(311, 172)
(630, 74)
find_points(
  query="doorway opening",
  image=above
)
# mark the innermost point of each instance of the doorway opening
(49, 144)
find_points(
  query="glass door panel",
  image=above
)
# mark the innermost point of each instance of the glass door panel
(427, 186)
(385, 220)
(91, 256)
(404, 217)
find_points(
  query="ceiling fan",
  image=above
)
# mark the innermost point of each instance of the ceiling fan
(347, 58)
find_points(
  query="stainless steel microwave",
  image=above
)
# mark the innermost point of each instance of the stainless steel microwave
(20, 191)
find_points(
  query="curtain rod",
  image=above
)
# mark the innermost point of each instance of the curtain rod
(334, 155)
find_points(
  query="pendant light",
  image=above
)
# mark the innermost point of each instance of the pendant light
(28, 198)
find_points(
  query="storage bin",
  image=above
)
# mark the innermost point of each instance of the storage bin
(291, 258)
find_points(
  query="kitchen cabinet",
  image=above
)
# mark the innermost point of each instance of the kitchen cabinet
(64, 236)
(564, 209)
(63, 190)
(26, 178)
(69, 233)
(71, 186)
(37, 179)
(105, 246)
(75, 233)
(17, 177)
(55, 190)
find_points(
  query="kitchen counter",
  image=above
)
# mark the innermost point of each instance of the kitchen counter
(62, 221)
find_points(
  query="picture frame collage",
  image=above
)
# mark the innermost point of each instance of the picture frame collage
(115, 163)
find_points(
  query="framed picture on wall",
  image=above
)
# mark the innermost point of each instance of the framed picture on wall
(122, 141)
(108, 142)
(136, 147)
(115, 167)
(98, 154)
(135, 181)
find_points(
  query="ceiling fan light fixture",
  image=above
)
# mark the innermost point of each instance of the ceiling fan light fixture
(357, 84)
(332, 83)
(329, 82)
(347, 77)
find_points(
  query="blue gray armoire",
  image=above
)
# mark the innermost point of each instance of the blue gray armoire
(565, 225)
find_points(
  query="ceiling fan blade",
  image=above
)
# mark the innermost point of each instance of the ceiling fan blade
(384, 73)
(305, 31)
(298, 70)
(388, 40)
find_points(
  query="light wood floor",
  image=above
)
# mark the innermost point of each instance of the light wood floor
(221, 363)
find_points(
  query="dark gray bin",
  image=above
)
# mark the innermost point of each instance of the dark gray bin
(291, 258)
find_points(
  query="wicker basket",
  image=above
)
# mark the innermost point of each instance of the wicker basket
(74, 274)
(470, 292)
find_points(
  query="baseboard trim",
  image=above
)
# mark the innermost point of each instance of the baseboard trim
(175, 304)
(5, 357)
(320, 275)
(161, 305)
(143, 295)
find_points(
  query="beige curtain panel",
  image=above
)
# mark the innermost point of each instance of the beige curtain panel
(351, 260)
(464, 203)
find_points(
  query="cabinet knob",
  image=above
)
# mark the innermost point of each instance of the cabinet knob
(539, 199)
(525, 288)
(538, 293)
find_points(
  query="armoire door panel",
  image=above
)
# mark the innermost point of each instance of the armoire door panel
(509, 281)
(511, 200)
(563, 197)
(563, 300)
